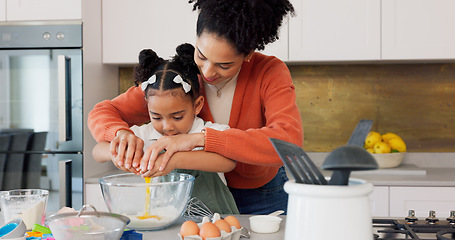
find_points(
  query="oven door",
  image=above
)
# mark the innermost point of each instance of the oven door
(41, 92)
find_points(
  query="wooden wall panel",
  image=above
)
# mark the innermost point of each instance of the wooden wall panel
(415, 101)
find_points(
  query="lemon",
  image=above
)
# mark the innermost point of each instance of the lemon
(386, 137)
(398, 144)
(372, 138)
(382, 147)
(370, 150)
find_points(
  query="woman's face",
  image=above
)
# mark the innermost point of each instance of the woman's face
(216, 58)
(172, 112)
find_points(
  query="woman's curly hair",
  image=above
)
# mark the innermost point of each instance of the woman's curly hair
(247, 24)
(181, 64)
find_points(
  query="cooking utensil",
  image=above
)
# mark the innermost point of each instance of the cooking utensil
(126, 194)
(298, 162)
(196, 210)
(342, 164)
(87, 225)
(345, 159)
(276, 213)
(360, 132)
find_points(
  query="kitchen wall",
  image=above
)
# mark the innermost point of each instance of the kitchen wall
(415, 101)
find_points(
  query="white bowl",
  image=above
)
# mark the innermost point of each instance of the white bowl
(265, 223)
(389, 160)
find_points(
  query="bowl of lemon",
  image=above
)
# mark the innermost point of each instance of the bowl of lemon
(388, 149)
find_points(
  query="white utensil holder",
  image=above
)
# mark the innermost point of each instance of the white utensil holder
(326, 212)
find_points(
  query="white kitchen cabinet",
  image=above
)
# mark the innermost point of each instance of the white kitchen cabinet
(333, 30)
(2, 10)
(418, 29)
(422, 200)
(130, 26)
(43, 10)
(279, 48)
(94, 197)
(379, 202)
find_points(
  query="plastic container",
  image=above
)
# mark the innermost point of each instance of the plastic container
(26, 204)
(164, 199)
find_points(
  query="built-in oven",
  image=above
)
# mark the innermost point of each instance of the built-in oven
(41, 117)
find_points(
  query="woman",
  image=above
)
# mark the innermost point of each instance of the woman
(247, 90)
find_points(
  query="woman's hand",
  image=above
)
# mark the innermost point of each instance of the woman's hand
(127, 149)
(171, 145)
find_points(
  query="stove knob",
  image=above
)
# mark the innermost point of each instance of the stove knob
(451, 219)
(411, 218)
(432, 219)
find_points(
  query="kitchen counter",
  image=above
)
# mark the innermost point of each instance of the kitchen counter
(403, 175)
(171, 232)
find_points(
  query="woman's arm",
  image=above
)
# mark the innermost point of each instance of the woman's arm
(195, 160)
(110, 116)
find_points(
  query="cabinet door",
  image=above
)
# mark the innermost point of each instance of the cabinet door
(279, 48)
(333, 30)
(379, 202)
(2, 10)
(422, 200)
(418, 29)
(32, 10)
(130, 26)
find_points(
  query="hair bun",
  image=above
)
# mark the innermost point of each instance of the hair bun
(185, 55)
(148, 61)
(185, 50)
(147, 57)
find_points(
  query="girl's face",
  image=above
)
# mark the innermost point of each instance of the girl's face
(172, 112)
(217, 59)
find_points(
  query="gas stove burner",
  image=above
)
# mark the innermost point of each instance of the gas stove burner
(431, 228)
(443, 234)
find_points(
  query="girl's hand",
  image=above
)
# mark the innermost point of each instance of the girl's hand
(155, 172)
(128, 149)
(171, 145)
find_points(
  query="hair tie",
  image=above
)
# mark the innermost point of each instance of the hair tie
(186, 86)
(151, 81)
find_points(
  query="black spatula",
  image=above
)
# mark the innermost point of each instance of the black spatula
(298, 162)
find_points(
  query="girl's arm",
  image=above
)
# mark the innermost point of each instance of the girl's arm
(194, 160)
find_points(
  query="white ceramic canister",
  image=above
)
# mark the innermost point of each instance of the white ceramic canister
(327, 212)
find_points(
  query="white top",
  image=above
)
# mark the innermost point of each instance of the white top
(148, 133)
(222, 112)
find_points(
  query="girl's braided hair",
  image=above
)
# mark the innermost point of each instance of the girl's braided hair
(247, 24)
(181, 64)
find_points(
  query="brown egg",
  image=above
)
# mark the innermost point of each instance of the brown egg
(223, 225)
(209, 230)
(189, 228)
(233, 221)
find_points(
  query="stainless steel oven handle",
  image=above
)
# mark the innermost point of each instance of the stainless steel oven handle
(64, 98)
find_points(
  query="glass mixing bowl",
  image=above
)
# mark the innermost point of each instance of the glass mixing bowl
(150, 206)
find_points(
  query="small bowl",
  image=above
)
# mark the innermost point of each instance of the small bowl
(265, 223)
(389, 160)
(13, 229)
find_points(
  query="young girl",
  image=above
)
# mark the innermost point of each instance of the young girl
(171, 90)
